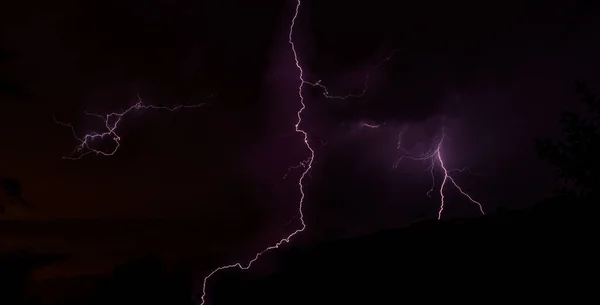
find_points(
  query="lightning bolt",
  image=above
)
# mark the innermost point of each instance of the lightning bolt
(307, 165)
(370, 125)
(302, 164)
(112, 120)
(365, 87)
(434, 155)
(111, 123)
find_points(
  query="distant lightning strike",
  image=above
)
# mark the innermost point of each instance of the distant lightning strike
(435, 156)
(369, 125)
(111, 123)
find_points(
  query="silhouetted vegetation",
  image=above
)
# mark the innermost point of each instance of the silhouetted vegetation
(576, 156)
(13, 191)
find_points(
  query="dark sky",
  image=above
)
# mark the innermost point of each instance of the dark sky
(495, 74)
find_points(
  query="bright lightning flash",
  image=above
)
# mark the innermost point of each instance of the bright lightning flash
(307, 163)
(435, 157)
(111, 123)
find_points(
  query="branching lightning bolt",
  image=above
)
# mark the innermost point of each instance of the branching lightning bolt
(365, 88)
(306, 164)
(435, 157)
(301, 164)
(111, 123)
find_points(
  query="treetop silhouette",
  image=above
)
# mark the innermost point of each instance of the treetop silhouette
(576, 157)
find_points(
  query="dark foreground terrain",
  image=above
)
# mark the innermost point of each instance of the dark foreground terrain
(542, 254)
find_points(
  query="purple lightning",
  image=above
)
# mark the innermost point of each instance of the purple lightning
(111, 123)
(303, 164)
(435, 156)
(307, 165)
(365, 88)
(370, 125)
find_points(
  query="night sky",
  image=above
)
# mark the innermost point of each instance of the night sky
(495, 74)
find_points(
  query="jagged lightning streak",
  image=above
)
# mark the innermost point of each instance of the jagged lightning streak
(302, 164)
(370, 125)
(365, 88)
(435, 156)
(326, 93)
(306, 164)
(111, 123)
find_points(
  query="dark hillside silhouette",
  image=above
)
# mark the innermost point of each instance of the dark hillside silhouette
(542, 254)
(142, 281)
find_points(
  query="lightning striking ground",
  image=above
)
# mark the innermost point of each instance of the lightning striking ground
(307, 165)
(111, 123)
(435, 156)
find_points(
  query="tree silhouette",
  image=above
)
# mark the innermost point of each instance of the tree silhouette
(576, 157)
(13, 191)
